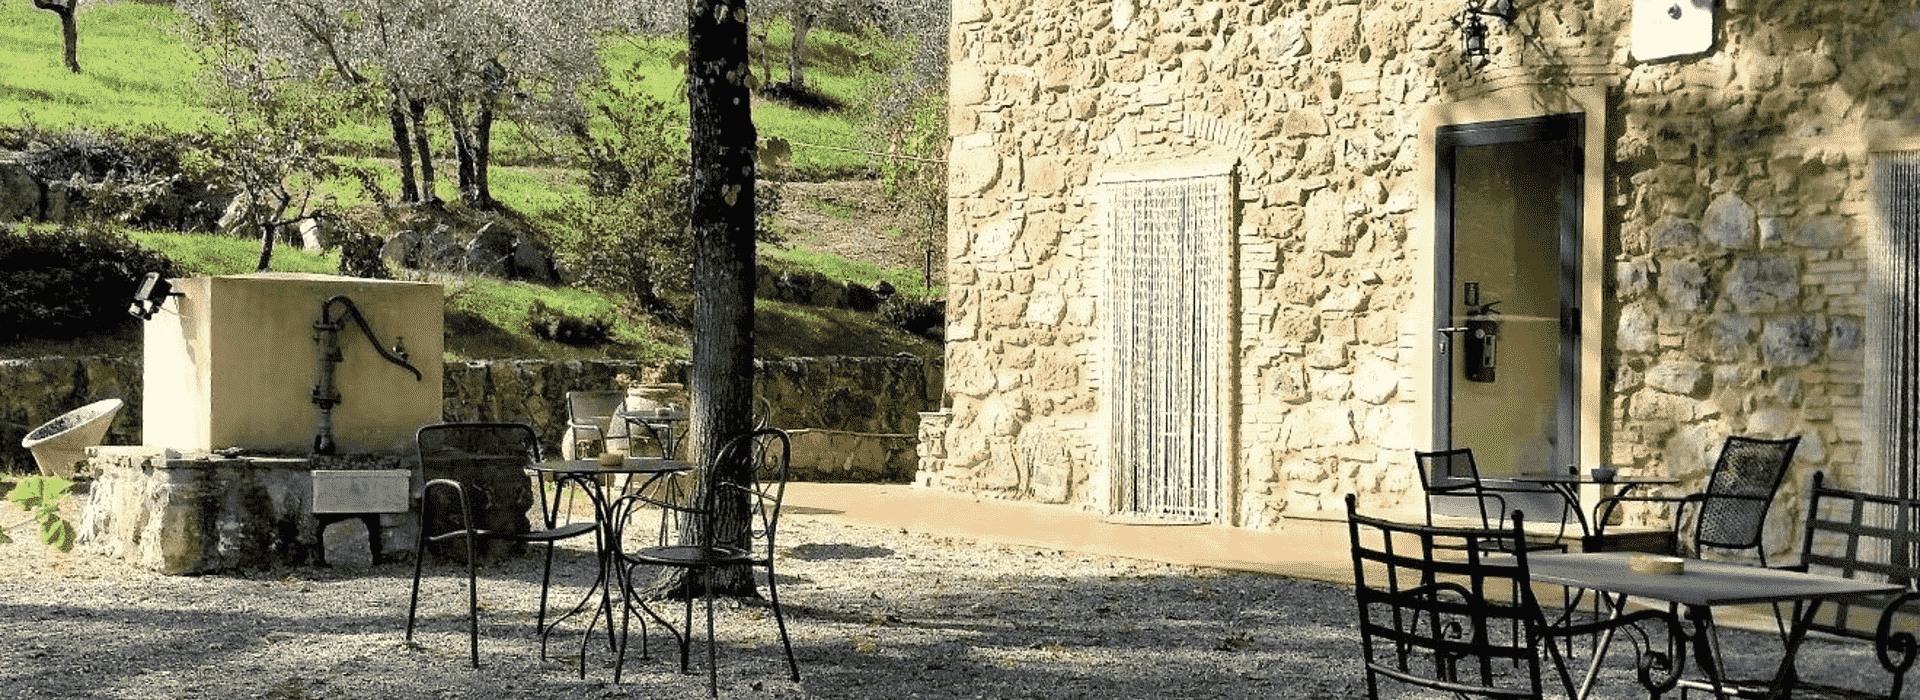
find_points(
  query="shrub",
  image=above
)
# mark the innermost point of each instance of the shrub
(131, 178)
(558, 326)
(63, 283)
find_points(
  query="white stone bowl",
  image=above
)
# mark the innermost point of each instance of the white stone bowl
(60, 445)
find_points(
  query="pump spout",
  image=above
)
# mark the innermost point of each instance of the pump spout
(327, 334)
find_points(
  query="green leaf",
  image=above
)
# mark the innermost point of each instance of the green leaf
(58, 534)
(40, 493)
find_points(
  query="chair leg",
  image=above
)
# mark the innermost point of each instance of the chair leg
(686, 640)
(473, 601)
(419, 555)
(540, 618)
(713, 659)
(773, 591)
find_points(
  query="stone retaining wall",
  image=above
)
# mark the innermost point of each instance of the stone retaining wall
(867, 404)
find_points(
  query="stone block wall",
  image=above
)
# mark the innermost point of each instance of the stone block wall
(870, 404)
(203, 513)
(1736, 210)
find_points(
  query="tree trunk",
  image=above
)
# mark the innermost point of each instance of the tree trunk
(403, 145)
(796, 66)
(267, 225)
(722, 144)
(69, 29)
(423, 145)
(494, 77)
(462, 147)
(483, 156)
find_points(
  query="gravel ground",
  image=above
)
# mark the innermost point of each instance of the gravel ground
(873, 612)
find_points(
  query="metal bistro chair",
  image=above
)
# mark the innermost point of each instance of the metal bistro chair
(761, 460)
(1453, 473)
(591, 413)
(458, 447)
(1730, 514)
(1431, 618)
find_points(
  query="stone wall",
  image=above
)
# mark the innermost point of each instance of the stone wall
(1734, 224)
(205, 513)
(869, 404)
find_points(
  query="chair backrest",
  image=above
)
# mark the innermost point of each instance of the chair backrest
(764, 456)
(754, 465)
(445, 442)
(489, 460)
(593, 409)
(1454, 473)
(1447, 471)
(1733, 509)
(1435, 618)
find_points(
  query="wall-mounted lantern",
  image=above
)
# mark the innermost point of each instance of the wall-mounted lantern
(1474, 31)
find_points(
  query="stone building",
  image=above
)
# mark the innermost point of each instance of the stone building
(1227, 261)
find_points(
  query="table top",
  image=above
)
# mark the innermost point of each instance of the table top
(1703, 583)
(633, 465)
(1586, 479)
(650, 414)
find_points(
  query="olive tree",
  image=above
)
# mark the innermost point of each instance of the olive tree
(469, 61)
(69, 28)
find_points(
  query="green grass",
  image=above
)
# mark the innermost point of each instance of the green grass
(488, 319)
(842, 66)
(134, 71)
(791, 330)
(904, 281)
(203, 254)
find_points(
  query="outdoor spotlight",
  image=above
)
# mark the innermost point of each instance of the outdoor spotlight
(153, 292)
(1474, 31)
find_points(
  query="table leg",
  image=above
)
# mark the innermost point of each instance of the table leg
(1706, 650)
(1601, 644)
(1789, 674)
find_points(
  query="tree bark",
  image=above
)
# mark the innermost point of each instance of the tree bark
(483, 155)
(424, 146)
(494, 77)
(69, 29)
(462, 147)
(403, 145)
(796, 65)
(721, 145)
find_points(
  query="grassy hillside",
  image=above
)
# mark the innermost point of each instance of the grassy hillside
(137, 76)
(135, 73)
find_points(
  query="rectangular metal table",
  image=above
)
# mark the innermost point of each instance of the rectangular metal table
(1702, 586)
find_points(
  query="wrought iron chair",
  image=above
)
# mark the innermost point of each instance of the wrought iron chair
(1470, 625)
(1453, 473)
(1730, 514)
(462, 449)
(590, 413)
(748, 482)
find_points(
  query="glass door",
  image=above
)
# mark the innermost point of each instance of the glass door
(1508, 257)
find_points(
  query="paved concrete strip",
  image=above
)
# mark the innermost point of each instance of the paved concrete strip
(1314, 550)
(1305, 549)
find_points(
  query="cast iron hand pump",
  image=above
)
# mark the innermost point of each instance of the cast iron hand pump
(327, 334)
